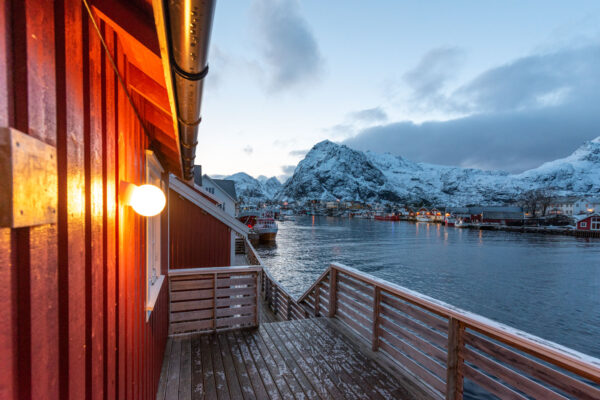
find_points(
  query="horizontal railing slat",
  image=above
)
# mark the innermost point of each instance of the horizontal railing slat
(362, 331)
(360, 307)
(415, 340)
(416, 354)
(192, 305)
(360, 318)
(190, 285)
(510, 377)
(192, 295)
(191, 315)
(421, 330)
(236, 301)
(414, 367)
(432, 321)
(534, 368)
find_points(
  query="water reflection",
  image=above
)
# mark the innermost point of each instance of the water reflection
(544, 284)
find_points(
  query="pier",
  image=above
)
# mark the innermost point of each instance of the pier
(350, 335)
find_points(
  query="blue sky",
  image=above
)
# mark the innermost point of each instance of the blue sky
(495, 85)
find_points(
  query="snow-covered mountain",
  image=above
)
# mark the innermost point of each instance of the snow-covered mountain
(253, 190)
(271, 186)
(331, 171)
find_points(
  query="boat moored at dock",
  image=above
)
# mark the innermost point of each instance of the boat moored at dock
(266, 228)
(387, 217)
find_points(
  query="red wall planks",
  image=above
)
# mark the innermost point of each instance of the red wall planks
(197, 239)
(72, 294)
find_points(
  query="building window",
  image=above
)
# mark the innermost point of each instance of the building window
(583, 224)
(595, 224)
(210, 190)
(154, 277)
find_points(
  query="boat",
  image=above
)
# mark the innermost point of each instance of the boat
(388, 217)
(266, 228)
(423, 218)
(460, 223)
(450, 221)
(248, 217)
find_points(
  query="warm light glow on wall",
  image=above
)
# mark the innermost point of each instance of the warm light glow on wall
(146, 200)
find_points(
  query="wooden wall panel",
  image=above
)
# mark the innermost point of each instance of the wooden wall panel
(8, 282)
(42, 247)
(95, 221)
(197, 239)
(72, 294)
(8, 316)
(71, 219)
(110, 225)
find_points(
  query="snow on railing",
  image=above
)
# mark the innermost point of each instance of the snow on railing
(442, 345)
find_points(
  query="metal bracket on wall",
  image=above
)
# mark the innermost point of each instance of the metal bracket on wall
(28, 180)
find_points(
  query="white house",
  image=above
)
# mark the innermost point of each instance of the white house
(571, 205)
(224, 191)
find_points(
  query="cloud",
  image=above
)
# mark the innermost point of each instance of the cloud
(297, 153)
(369, 115)
(355, 121)
(429, 77)
(288, 46)
(530, 82)
(535, 109)
(281, 143)
(248, 150)
(288, 171)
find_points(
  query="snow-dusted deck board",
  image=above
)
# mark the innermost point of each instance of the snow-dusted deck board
(265, 315)
(302, 359)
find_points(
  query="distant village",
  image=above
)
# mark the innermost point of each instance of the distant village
(535, 211)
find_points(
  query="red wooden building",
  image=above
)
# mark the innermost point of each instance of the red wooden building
(96, 95)
(589, 223)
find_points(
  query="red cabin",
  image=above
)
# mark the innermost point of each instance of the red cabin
(89, 112)
(589, 223)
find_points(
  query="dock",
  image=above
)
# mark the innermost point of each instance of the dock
(308, 359)
(236, 333)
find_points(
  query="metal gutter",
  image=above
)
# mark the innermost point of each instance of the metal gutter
(184, 28)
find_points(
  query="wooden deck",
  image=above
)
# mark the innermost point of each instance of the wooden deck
(308, 359)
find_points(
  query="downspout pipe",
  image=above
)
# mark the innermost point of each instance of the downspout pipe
(189, 25)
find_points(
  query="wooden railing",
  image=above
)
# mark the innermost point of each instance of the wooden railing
(213, 299)
(275, 296)
(443, 346)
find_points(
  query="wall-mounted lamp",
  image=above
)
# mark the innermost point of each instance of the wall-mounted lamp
(146, 200)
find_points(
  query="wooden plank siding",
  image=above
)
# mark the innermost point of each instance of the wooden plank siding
(197, 239)
(72, 294)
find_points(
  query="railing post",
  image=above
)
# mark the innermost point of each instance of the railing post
(317, 301)
(275, 300)
(375, 332)
(214, 302)
(454, 367)
(332, 291)
(258, 281)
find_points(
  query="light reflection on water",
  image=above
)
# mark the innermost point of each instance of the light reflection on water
(544, 284)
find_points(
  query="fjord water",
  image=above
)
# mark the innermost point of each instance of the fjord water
(546, 285)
